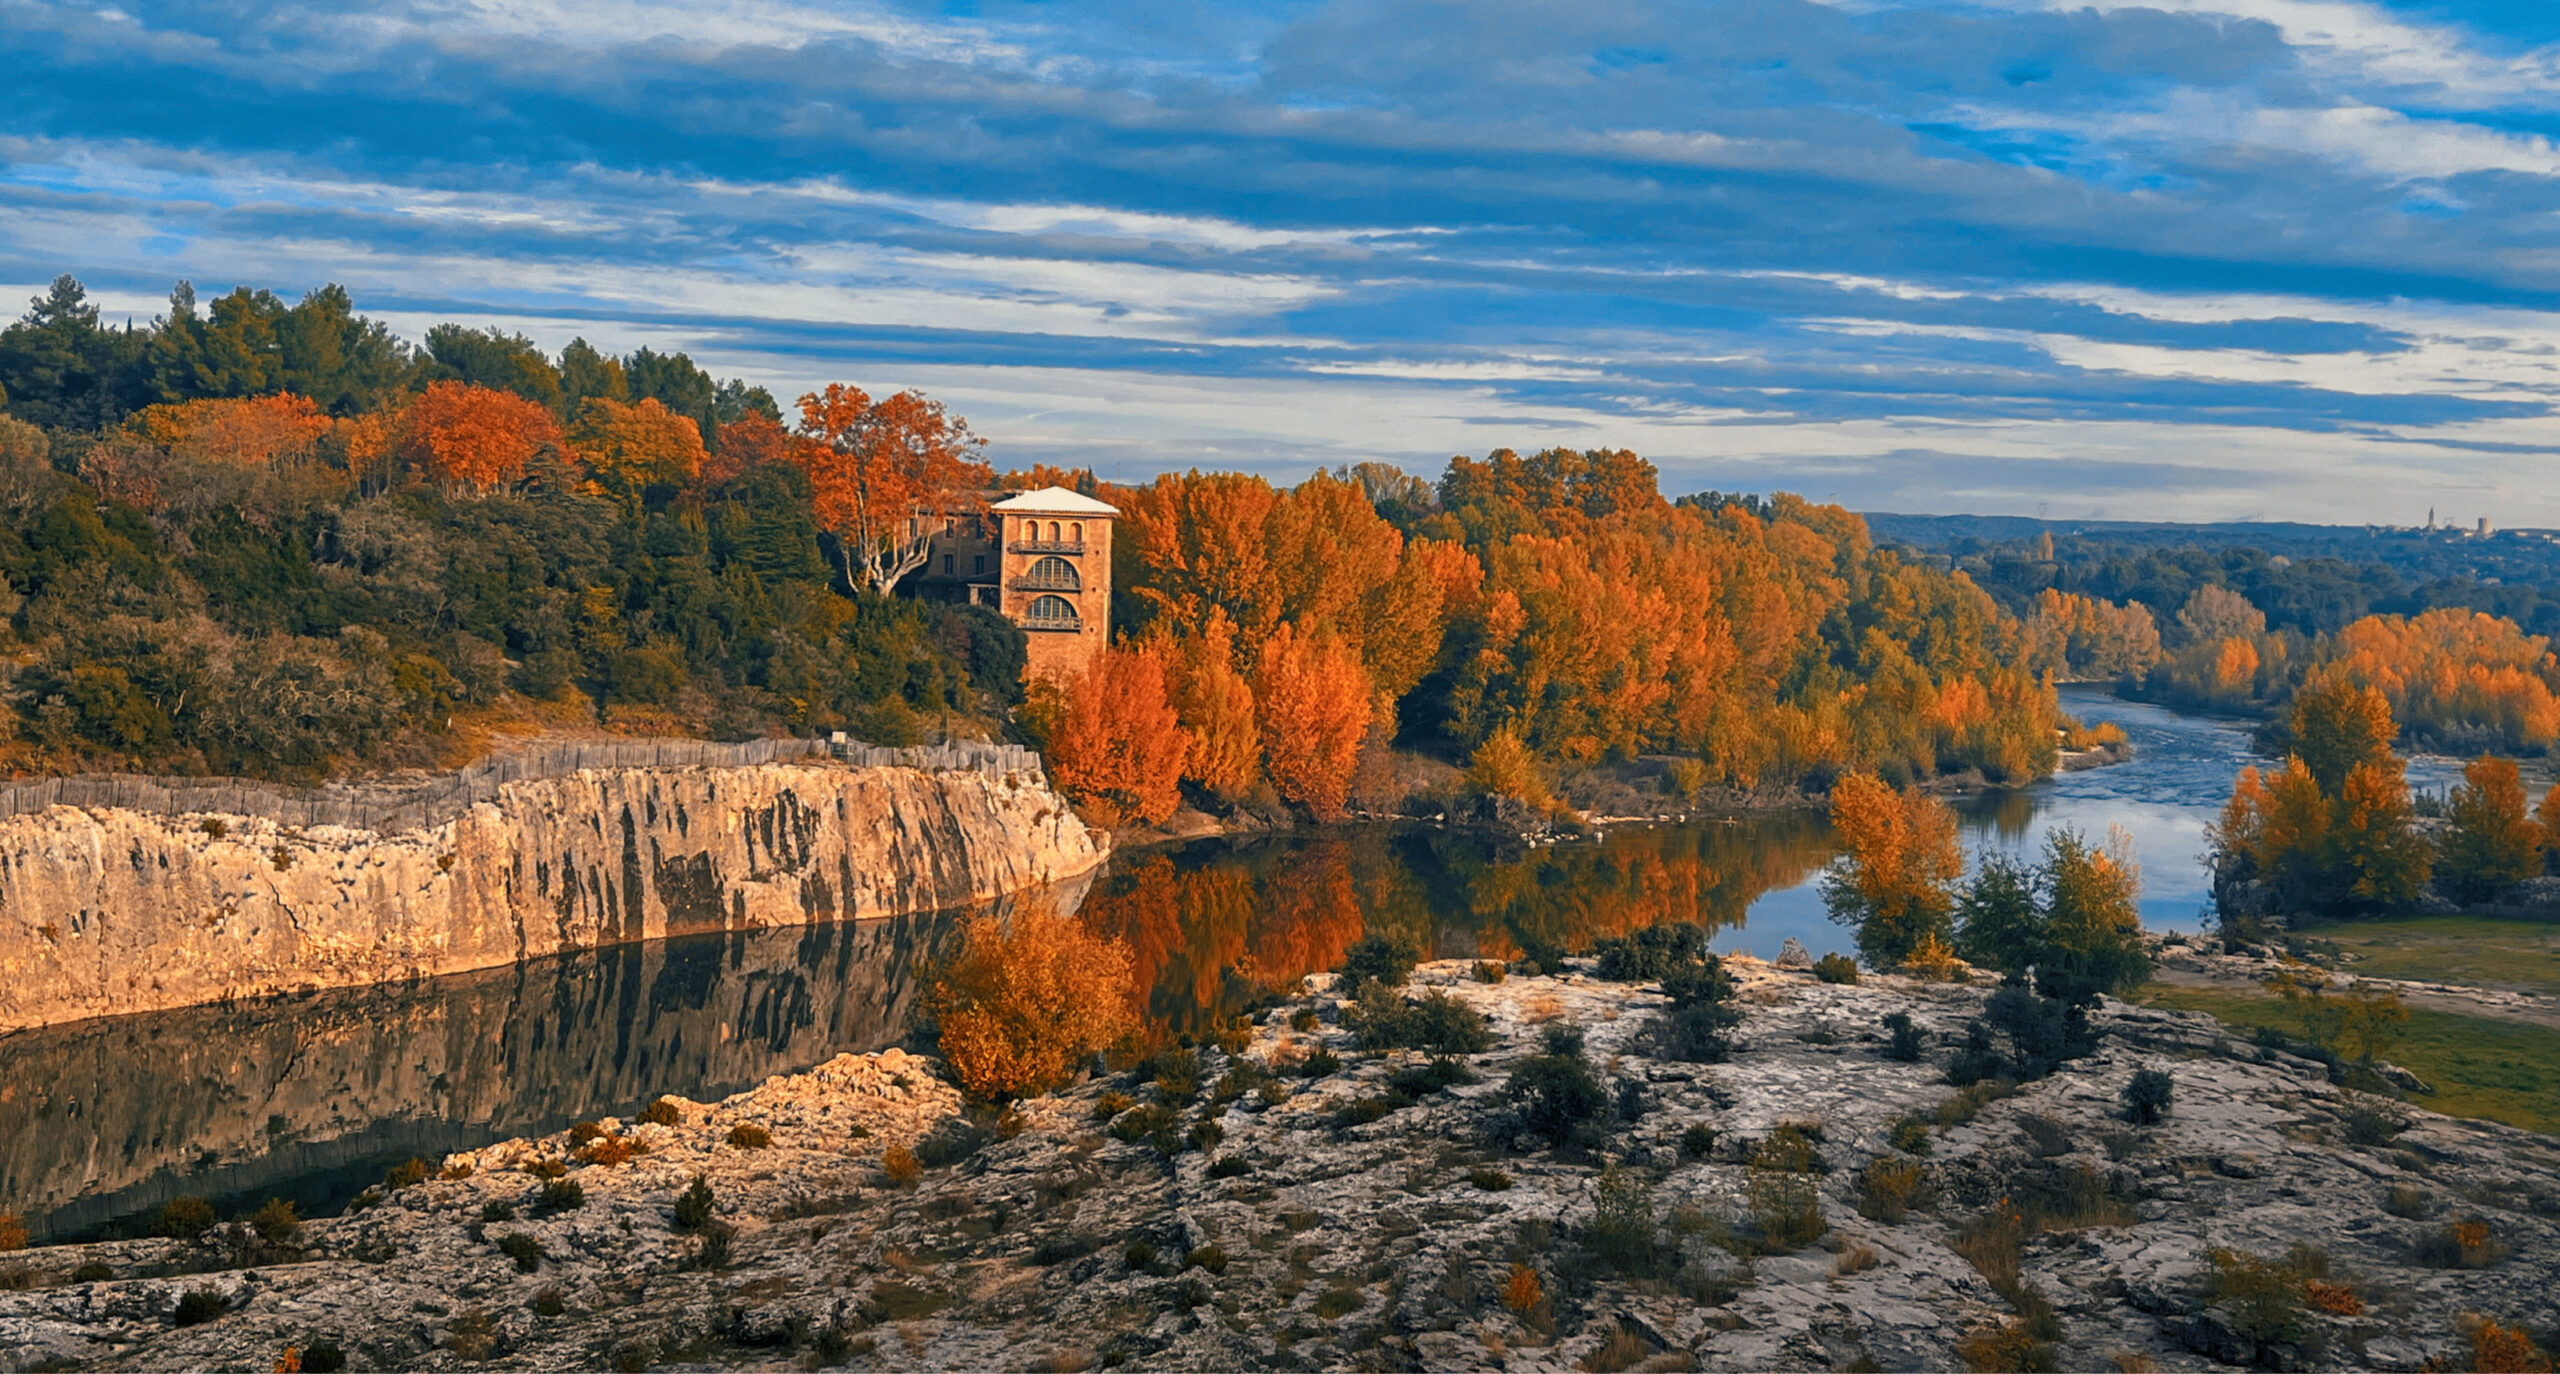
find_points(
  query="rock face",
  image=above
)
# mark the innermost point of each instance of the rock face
(106, 912)
(1345, 1221)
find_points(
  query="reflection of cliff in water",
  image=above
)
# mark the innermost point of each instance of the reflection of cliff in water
(312, 1097)
(1216, 923)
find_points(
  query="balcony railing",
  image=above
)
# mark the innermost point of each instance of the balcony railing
(1049, 583)
(1067, 546)
(1067, 623)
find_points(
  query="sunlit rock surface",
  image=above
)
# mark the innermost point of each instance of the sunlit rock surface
(1334, 1244)
(108, 912)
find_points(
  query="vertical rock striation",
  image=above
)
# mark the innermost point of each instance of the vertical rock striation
(105, 912)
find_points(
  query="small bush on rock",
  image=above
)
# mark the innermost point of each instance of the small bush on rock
(92, 1272)
(323, 1357)
(200, 1305)
(1386, 959)
(901, 1165)
(694, 1205)
(183, 1218)
(747, 1137)
(1556, 1093)
(276, 1223)
(1836, 968)
(1435, 1021)
(407, 1175)
(2146, 1097)
(1890, 1187)
(523, 1249)
(560, 1195)
(1651, 953)
(1902, 1038)
(2464, 1244)
(1697, 1140)
(662, 1112)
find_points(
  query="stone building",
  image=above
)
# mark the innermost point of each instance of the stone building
(1043, 559)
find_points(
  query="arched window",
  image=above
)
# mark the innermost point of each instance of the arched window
(1051, 613)
(1054, 574)
(1076, 531)
(1053, 531)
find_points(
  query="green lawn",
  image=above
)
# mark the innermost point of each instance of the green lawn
(2483, 950)
(2497, 1070)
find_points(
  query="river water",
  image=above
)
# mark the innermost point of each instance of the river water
(312, 1097)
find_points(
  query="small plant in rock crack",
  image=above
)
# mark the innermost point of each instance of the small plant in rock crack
(1903, 1040)
(200, 1305)
(1697, 1140)
(693, 1205)
(560, 1195)
(1555, 1092)
(523, 1249)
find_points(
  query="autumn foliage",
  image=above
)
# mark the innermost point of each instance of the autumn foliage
(1029, 998)
(1114, 742)
(1895, 881)
(2334, 829)
(1314, 699)
(880, 472)
(472, 438)
(632, 447)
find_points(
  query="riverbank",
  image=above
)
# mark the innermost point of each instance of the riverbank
(1812, 1204)
(110, 911)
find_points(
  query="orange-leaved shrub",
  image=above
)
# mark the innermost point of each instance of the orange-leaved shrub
(1027, 1000)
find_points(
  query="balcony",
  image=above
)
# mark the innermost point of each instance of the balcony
(1070, 547)
(1067, 624)
(1046, 582)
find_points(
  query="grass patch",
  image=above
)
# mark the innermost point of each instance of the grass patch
(2487, 951)
(2480, 1067)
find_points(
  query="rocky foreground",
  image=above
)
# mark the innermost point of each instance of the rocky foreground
(1839, 1210)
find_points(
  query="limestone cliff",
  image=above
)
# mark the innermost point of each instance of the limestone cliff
(106, 912)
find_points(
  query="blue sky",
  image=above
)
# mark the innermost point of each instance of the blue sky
(2211, 259)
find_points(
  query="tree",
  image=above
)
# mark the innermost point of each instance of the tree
(1116, 747)
(497, 361)
(2093, 918)
(586, 374)
(60, 367)
(1028, 1000)
(2493, 844)
(1894, 881)
(633, 447)
(1998, 923)
(882, 476)
(1315, 705)
(1215, 704)
(471, 436)
(2339, 725)
(2376, 852)
(255, 432)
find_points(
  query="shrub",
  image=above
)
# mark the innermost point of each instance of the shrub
(200, 1305)
(1556, 1092)
(1206, 1135)
(1902, 1038)
(1028, 1001)
(1230, 1166)
(1176, 1074)
(1436, 1021)
(323, 1357)
(1698, 1029)
(1651, 953)
(1786, 1210)
(694, 1205)
(1836, 968)
(2464, 1244)
(2007, 1346)
(1339, 1302)
(2408, 1203)
(1911, 1135)
(711, 1251)
(2338, 1299)
(276, 1223)
(747, 1137)
(1304, 1020)
(560, 1195)
(2506, 1349)
(13, 1232)
(1889, 1188)
(1623, 1350)
(523, 1249)
(1422, 1080)
(2259, 1299)
(549, 1301)
(1387, 959)
(1521, 1290)
(1319, 1063)
(92, 1272)
(407, 1175)
(2146, 1097)
(663, 1112)
(499, 1210)
(900, 1164)
(1698, 1140)
(951, 1142)
(1621, 1229)
(1209, 1257)
(1111, 1104)
(2370, 1120)
(1488, 971)
(183, 1218)
(1857, 1259)
(1489, 1179)
(580, 1132)
(1139, 1255)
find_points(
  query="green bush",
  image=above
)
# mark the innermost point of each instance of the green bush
(561, 1195)
(1385, 1020)
(1698, 1140)
(1230, 1166)
(1387, 959)
(323, 1357)
(276, 1223)
(183, 1218)
(523, 1249)
(2259, 1299)
(500, 1210)
(1902, 1038)
(200, 1305)
(1651, 953)
(1621, 1233)
(2146, 1097)
(694, 1205)
(1698, 1029)
(1209, 1257)
(1836, 968)
(1556, 1093)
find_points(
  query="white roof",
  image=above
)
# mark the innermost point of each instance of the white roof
(1053, 501)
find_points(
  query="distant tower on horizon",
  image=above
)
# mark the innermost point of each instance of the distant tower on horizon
(2431, 517)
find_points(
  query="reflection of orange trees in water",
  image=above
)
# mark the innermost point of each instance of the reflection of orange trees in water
(1189, 929)
(1562, 899)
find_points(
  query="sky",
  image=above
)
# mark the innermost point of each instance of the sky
(2182, 259)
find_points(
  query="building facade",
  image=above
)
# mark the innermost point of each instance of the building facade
(1042, 559)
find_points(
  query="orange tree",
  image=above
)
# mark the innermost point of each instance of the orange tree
(1113, 744)
(1895, 879)
(1315, 705)
(883, 474)
(2493, 844)
(1027, 999)
(633, 447)
(467, 436)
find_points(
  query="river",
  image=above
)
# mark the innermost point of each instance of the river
(312, 1097)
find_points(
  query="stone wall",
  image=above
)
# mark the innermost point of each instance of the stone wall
(106, 912)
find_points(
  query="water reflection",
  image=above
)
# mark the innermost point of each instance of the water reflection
(311, 1097)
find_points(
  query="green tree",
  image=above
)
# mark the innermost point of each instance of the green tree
(2093, 919)
(62, 368)
(2493, 844)
(1998, 922)
(497, 360)
(587, 375)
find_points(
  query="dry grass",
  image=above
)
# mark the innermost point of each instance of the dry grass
(1857, 1259)
(1623, 1350)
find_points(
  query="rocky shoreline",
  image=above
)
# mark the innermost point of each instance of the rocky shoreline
(1285, 1221)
